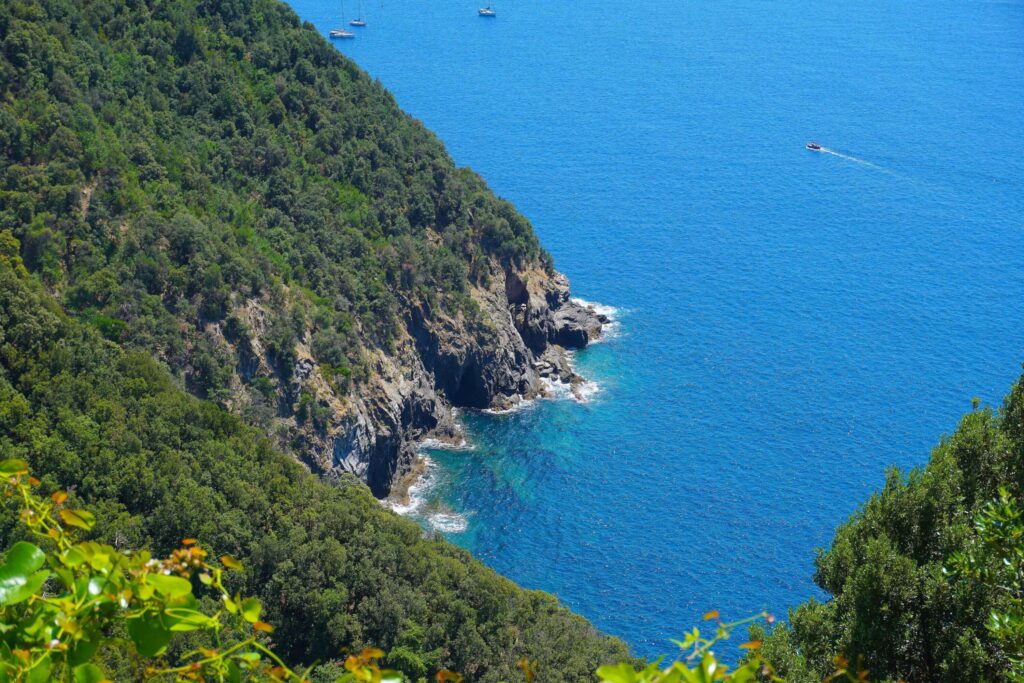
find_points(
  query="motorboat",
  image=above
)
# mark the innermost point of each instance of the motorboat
(814, 146)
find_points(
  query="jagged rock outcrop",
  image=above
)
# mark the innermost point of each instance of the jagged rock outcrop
(512, 350)
(528, 320)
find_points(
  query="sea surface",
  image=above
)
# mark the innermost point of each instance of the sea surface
(790, 323)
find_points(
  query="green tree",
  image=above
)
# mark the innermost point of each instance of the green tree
(994, 558)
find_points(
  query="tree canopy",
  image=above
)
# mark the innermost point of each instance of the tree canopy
(894, 607)
(333, 568)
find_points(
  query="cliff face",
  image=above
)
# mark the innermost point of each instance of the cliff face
(216, 185)
(510, 352)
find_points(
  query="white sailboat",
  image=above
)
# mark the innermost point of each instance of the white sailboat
(340, 32)
(487, 12)
(358, 21)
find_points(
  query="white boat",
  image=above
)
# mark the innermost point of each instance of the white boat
(487, 12)
(340, 32)
(358, 21)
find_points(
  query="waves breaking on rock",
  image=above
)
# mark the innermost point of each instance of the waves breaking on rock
(610, 316)
(416, 502)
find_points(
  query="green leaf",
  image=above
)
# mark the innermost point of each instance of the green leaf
(78, 518)
(73, 557)
(185, 619)
(231, 604)
(40, 673)
(251, 609)
(230, 563)
(148, 634)
(171, 586)
(744, 674)
(83, 650)
(95, 585)
(89, 673)
(12, 468)
(619, 673)
(17, 582)
(24, 558)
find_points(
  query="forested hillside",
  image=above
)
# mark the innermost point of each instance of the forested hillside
(333, 567)
(897, 609)
(215, 184)
(224, 248)
(206, 198)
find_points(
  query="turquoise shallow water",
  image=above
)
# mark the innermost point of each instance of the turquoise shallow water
(791, 322)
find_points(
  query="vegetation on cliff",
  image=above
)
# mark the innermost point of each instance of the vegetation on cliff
(332, 567)
(170, 167)
(85, 612)
(926, 578)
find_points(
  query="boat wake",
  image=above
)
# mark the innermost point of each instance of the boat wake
(814, 147)
(922, 184)
(856, 160)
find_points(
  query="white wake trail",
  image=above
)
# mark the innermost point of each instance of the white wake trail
(862, 162)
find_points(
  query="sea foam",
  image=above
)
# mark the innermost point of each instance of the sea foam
(416, 503)
(610, 330)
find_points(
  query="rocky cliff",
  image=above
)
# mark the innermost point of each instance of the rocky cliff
(512, 350)
(217, 186)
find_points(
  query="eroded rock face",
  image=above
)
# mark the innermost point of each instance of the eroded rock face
(575, 326)
(528, 319)
(440, 362)
(376, 440)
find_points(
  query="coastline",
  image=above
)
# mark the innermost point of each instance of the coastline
(557, 381)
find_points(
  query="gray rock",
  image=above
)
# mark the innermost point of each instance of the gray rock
(443, 360)
(575, 326)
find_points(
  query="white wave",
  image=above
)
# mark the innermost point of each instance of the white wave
(581, 392)
(520, 404)
(416, 495)
(609, 330)
(448, 522)
(556, 389)
(416, 503)
(600, 309)
(585, 391)
(440, 445)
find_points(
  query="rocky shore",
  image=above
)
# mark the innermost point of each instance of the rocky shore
(530, 323)
(514, 350)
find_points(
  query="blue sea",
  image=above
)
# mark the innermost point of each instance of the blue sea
(790, 323)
